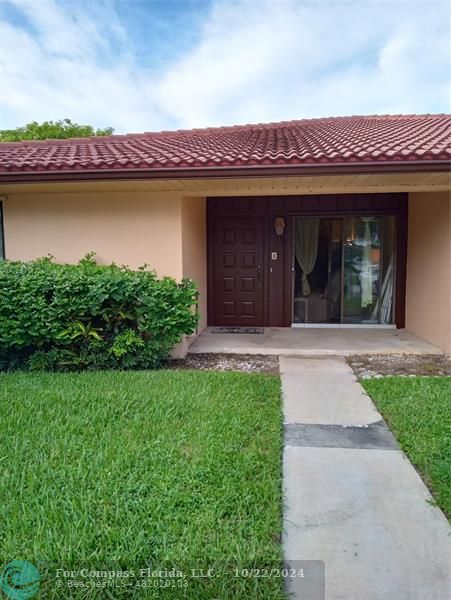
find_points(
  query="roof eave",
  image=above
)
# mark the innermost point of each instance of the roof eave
(395, 166)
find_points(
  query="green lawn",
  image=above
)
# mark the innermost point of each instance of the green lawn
(126, 470)
(418, 410)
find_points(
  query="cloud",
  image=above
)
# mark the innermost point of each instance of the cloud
(276, 60)
(249, 62)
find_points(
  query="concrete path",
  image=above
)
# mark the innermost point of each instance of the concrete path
(352, 499)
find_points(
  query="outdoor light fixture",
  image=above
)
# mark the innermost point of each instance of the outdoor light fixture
(279, 225)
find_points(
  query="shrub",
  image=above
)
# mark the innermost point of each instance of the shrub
(90, 316)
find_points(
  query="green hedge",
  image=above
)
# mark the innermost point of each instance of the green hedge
(90, 316)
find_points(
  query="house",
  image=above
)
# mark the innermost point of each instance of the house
(336, 221)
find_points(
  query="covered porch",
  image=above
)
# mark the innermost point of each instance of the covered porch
(398, 240)
(323, 341)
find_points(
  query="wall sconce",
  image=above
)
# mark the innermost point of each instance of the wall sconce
(279, 225)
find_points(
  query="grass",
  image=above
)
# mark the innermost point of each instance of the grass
(418, 410)
(126, 470)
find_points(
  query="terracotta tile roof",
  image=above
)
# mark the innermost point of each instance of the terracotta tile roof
(330, 141)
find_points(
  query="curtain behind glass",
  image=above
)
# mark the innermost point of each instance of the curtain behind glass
(306, 248)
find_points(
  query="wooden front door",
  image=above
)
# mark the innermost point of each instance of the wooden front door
(238, 273)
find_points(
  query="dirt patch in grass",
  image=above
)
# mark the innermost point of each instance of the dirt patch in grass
(250, 363)
(366, 366)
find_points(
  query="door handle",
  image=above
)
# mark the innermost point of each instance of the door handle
(259, 278)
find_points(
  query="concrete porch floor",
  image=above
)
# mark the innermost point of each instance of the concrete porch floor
(313, 342)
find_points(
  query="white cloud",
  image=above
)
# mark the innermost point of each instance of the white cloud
(279, 60)
(254, 61)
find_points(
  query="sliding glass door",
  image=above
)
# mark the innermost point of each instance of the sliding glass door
(344, 269)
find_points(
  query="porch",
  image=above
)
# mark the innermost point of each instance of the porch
(379, 260)
(322, 259)
(323, 341)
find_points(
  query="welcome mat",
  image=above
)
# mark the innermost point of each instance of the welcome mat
(237, 330)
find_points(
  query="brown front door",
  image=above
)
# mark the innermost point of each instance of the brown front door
(238, 272)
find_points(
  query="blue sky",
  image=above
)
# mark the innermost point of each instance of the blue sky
(146, 65)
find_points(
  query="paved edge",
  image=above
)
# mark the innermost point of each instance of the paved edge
(374, 436)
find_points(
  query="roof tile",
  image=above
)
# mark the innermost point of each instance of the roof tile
(335, 140)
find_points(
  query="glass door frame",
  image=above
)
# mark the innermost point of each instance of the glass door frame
(344, 216)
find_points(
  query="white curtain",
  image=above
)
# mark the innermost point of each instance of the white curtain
(306, 248)
(386, 296)
(366, 278)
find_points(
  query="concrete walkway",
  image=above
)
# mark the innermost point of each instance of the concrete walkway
(352, 499)
(313, 342)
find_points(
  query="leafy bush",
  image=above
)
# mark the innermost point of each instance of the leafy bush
(89, 316)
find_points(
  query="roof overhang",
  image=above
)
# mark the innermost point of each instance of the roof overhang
(320, 169)
(418, 181)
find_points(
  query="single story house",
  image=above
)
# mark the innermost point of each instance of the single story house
(337, 222)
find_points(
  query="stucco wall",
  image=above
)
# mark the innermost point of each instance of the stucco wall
(164, 230)
(194, 249)
(428, 298)
(168, 232)
(129, 228)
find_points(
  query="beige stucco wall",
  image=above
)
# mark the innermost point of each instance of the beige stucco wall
(194, 249)
(164, 230)
(131, 225)
(428, 298)
(128, 228)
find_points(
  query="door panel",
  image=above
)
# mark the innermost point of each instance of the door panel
(353, 279)
(238, 273)
(361, 269)
(368, 262)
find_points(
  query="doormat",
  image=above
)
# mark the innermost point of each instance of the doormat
(237, 330)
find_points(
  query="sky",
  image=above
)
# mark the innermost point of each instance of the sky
(151, 65)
